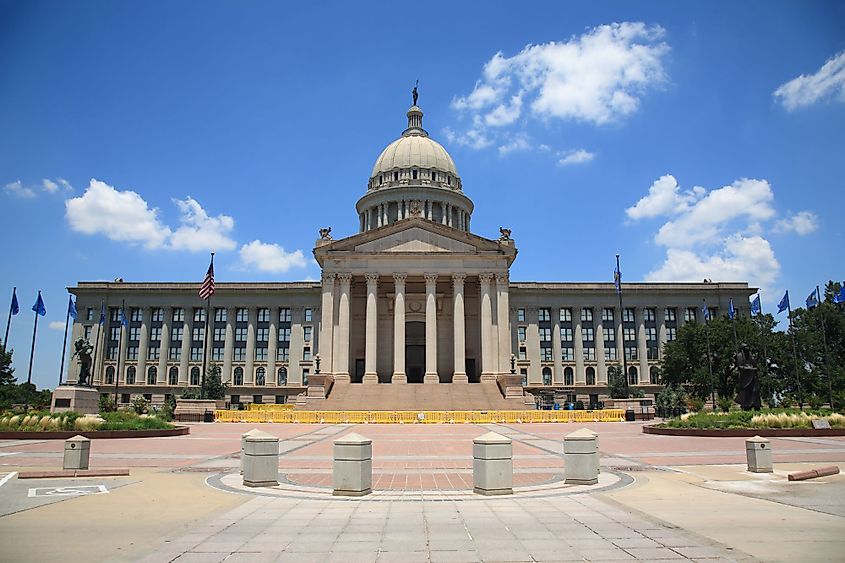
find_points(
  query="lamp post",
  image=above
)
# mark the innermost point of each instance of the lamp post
(513, 364)
(317, 363)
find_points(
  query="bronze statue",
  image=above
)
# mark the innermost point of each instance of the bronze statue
(414, 92)
(506, 233)
(83, 350)
(748, 395)
(326, 233)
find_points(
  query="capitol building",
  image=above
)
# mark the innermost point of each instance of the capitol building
(414, 297)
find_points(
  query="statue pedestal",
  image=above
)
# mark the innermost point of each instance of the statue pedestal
(84, 400)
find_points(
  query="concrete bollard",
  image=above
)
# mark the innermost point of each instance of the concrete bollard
(244, 436)
(353, 466)
(261, 460)
(580, 458)
(492, 465)
(77, 453)
(758, 453)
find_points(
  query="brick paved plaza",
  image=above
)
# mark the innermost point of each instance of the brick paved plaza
(658, 497)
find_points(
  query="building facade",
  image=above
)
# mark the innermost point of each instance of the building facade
(413, 298)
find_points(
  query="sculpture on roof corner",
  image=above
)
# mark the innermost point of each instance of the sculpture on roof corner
(506, 233)
(414, 92)
(326, 233)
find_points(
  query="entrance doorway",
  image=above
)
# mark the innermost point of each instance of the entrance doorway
(358, 376)
(415, 351)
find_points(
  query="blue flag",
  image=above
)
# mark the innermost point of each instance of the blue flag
(123, 320)
(784, 302)
(731, 310)
(102, 313)
(617, 280)
(15, 307)
(39, 306)
(756, 309)
(839, 297)
(705, 311)
(812, 301)
(71, 307)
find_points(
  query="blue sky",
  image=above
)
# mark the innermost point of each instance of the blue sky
(697, 139)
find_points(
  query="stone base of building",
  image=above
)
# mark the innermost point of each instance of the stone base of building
(431, 378)
(84, 400)
(399, 378)
(488, 377)
(370, 379)
(458, 377)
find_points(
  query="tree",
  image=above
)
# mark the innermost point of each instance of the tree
(214, 386)
(7, 372)
(616, 383)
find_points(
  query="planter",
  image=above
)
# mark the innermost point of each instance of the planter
(94, 434)
(744, 432)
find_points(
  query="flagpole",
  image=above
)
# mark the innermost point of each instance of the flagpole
(709, 358)
(97, 346)
(32, 350)
(733, 325)
(119, 346)
(622, 324)
(206, 340)
(9, 320)
(763, 338)
(794, 354)
(824, 344)
(64, 346)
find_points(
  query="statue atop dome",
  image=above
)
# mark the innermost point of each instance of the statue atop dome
(414, 92)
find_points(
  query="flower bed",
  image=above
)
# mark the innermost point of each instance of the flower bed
(776, 418)
(43, 421)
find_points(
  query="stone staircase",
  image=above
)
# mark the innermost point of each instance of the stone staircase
(416, 397)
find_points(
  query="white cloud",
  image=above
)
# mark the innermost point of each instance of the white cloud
(473, 138)
(518, 143)
(664, 197)
(199, 231)
(65, 184)
(49, 186)
(802, 223)
(18, 189)
(579, 156)
(266, 257)
(119, 215)
(598, 77)
(56, 325)
(805, 90)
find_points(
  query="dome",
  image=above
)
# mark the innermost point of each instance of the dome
(414, 151)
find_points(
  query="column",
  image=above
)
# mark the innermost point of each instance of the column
(228, 344)
(578, 341)
(143, 342)
(297, 343)
(532, 344)
(431, 329)
(326, 323)
(620, 340)
(661, 328)
(273, 345)
(487, 369)
(503, 322)
(557, 375)
(341, 335)
(459, 337)
(384, 209)
(164, 347)
(399, 375)
(371, 348)
(121, 361)
(187, 335)
(249, 363)
(444, 208)
(642, 346)
(601, 368)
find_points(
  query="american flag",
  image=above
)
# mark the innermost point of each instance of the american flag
(207, 289)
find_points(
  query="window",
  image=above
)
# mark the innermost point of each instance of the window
(110, 375)
(568, 376)
(308, 314)
(173, 376)
(547, 376)
(566, 315)
(199, 315)
(284, 315)
(155, 333)
(239, 375)
(414, 174)
(651, 333)
(689, 314)
(566, 334)
(305, 374)
(135, 315)
(653, 353)
(524, 373)
(567, 354)
(522, 354)
(520, 315)
(306, 333)
(546, 355)
(449, 180)
(217, 354)
(608, 334)
(242, 315)
(260, 376)
(124, 398)
(87, 333)
(132, 353)
(220, 315)
(396, 176)
(648, 315)
(112, 353)
(130, 375)
(134, 333)
(148, 397)
(630, 334)
(607, 315)
(263, 315)
(262, 334)
(284, 335)
(591, 376)
(175, 353)
(590, 354)
(176, 333)
(654, 375)
(610, 353)
(235, 399)
(520, 333)
(282, 376)
(198, 334)
(240, 333)
(587, 335)
(114, 333)
(195, 375)
(545, 335)
(671, 333)
(157, 315)
(219, 334)
(306, 353)
(545, 315)
(178, 315)
(152, 374)
(239, 354)
(587, 315)
(114, 314)
(261, 354)
(283, 354)
(153, 353)
(196, 353)
(669, 315)
(712, 313)
(628, 315)
(433, 176)
(633, 378)
(89, 314)
(631, 353)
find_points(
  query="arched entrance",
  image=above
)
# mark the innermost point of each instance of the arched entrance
(415, 351)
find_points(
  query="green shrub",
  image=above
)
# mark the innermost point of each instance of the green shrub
(140, 405)
(695, 404)
(128, 420)
(106, 403)
(766, 418)
(725, 403)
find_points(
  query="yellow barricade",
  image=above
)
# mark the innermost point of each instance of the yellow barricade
(270, 407)
(288, 416)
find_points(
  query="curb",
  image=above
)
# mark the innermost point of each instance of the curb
(744, 432)
(95, 434)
